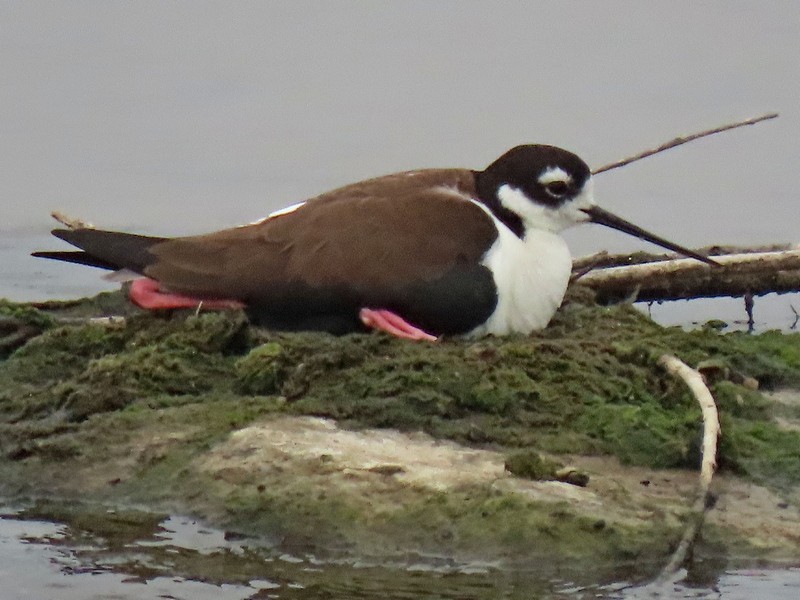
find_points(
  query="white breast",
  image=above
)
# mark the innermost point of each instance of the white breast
(531, 276)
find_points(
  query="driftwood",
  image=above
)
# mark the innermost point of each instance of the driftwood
(602, 260)
(711, 431)
(622, 277)
(741, 274)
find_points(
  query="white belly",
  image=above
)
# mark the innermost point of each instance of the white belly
(531, 276)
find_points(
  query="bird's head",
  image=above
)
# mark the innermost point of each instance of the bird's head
(544, 187)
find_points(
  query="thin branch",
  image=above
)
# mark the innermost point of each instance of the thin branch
(678, 141)
(604, 260)
(589, 265)
(711, 431)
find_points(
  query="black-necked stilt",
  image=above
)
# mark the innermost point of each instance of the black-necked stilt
(416, 254)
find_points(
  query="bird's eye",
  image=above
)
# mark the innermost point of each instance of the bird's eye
(557, 188)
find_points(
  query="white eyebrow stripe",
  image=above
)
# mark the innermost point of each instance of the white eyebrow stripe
(552, 174)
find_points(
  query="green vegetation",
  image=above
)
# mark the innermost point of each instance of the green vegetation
(588, 384)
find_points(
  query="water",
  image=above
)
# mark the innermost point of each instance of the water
(178, 118)
(183, 117)
(178, 558)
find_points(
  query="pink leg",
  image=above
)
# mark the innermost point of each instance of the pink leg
(144, 293)
(389, 322)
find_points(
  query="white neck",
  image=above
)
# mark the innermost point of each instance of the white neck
(539, 216)
(531, 276)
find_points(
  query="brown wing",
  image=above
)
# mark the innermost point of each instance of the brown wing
(385, 233)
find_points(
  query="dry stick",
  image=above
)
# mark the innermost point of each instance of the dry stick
(589, 265)
(604, 260)
(711, 431)
(678, 141)
(685, 278)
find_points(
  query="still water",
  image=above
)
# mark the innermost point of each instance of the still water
(180, 559)
(188, 116)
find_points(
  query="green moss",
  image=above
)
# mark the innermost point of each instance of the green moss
(80, 370)
(262, 370)
(18, 324)
(468, 523)
(173, 386)
(102, 536)
(25, 314)
(761, 450)
(112, 382)
(589, 383)
(531, 465)
(115, 527)
(642, 435)
(104, 304)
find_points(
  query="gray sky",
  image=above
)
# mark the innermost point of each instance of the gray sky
(184, 117)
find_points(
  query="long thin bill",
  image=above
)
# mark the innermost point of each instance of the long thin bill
(609, 219)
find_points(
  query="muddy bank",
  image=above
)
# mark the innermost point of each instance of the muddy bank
(368, 446)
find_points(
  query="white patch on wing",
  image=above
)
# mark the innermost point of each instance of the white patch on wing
(286, 210)
(531, 276)
(282, 211)
(122, 276)
(537, 216)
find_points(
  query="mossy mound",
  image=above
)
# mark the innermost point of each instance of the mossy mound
(133, 404)
(588, 384)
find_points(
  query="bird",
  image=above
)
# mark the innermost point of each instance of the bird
(417, 254)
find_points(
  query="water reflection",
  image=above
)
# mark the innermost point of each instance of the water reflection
(175, 557)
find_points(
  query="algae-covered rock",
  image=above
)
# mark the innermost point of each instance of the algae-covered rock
(144, 402)
(532, 465)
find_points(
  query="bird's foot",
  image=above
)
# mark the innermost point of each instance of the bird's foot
(144, 293)
(388, 322)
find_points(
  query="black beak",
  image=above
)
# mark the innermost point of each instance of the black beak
(603, 217)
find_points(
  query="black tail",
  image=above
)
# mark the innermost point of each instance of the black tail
(77, 257)
(111, 250)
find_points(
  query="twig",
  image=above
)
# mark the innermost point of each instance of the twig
(793, 326)
(711, 431)
(589, 265)
(678, 141)
(69, 222)
(749, 303)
